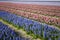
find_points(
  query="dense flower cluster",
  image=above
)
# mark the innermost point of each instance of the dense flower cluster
(7, 33)
(43, 30)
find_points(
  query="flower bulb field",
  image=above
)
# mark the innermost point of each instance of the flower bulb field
(29, 22)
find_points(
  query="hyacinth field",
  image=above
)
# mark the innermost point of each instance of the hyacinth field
(39, 22)
(7, 33)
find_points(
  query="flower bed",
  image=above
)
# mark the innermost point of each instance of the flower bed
(32, 27)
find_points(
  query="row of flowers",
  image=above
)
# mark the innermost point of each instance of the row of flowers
(30, 26)
(45, 10)
(38, 17)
